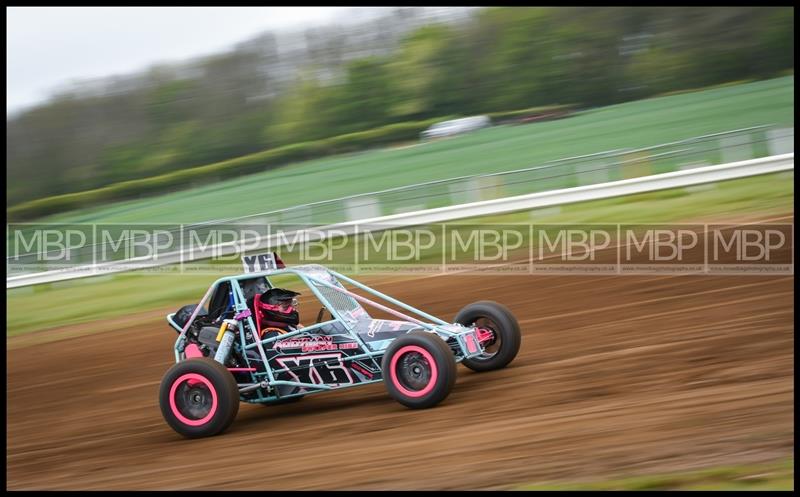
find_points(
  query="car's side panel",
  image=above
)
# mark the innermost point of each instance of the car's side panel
(321, 359)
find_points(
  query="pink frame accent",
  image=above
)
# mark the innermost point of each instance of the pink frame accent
(192, 351)
(484, 334)
(471, 346)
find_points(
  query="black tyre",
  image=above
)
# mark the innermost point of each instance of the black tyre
(502, 348)
(419, 370)
(198, 398)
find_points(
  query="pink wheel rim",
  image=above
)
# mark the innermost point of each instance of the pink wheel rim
(192, 379)
(396, 381)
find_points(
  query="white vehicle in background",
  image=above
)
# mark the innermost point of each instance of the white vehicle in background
(456, 126)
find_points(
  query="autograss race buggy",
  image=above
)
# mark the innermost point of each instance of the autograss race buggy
(221, 359)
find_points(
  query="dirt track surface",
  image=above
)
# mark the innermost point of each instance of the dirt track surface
(617, 375)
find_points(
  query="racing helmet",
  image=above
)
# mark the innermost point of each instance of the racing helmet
(278, 307)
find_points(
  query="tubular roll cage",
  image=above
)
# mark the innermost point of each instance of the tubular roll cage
(261, 381)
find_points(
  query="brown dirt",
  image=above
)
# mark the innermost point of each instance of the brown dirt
(617, 376)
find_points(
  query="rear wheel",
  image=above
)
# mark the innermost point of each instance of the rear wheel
(199, 398)
(500, 324)
(419, 370)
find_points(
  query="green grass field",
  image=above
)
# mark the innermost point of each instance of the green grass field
(630, 125)
(110, 296)
(770, 476)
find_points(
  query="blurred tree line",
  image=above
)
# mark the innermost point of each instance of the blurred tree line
(397, 68)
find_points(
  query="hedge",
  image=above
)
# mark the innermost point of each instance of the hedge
(247, 164)
(533, 111)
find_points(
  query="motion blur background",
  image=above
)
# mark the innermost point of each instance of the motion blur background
(381, 76)
(171, 116)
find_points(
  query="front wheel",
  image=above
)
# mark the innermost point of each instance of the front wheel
(419, 370)
(502, 330)
(199, 398)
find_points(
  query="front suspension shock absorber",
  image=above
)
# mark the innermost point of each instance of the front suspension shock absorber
(225, 338)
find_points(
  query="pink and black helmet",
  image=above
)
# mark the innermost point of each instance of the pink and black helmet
(277, 307)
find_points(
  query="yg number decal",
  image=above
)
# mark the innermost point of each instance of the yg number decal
(319, 369)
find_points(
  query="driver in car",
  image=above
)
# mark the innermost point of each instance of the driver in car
(276, 312)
